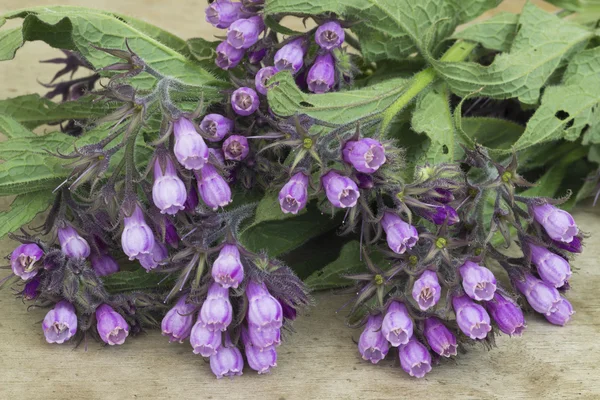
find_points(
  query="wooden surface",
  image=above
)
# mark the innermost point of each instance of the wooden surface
(321, 360)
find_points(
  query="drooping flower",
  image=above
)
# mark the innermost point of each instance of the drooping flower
(112, 327)
(294, 194)
(321, 76)
(216, 312)
(244, 101)
(228, 56)
(236, 148)
(478, 282)
(330, 35)
(254, 57)
(472, 318)
(23, 260)
(262, 77)
(104, 264)
(216, 127)
(427, 290)
(30, 290)
(397, 326)
(341, 191)
(222, 13)
(264, 311)
(372, 344)
(60, 324)
(259, 359)
(227, 361)
(559, 224)
(401, 236)
(264, 338)
(542, 297)
(439, 337)
(153, 259)
(290, 57)
(190, 149)
(366, 155)
(507, 314)
(177, 322)
(243, 33)
(227, 270)
(443, 214)
(576, 245)
(213, 188)
(168, 192)
(72, 244)
(204, 341)
(415, 358)
(552, 268)
(562, 313)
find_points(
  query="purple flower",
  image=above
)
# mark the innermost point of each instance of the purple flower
(366, 155)
(216, 312)
(397, 327)
(321, 76)
(236, 148)
(415, 358)
(228, 56)
(264, 338)
(243, 33)
(30, 291)
(72, 244)
(227, 270)
(576, 246)
(439, 337)
(168, 191)
(177, 323)
(401, 236)
(222, 13)
(330, 35)
(372, 344)
(204, 341)
(104, 264)
(244, 101)
(559, 224)
(227, 361)
(341, 191)
(171, 236)
(254, 57)
(294, 194)
(262, 77)
(153, 259)
(218, 156)
(507, 314)
(137, 238)
(427, 290)
(289, 312)
(290, 57)
(542, 297)
(365, 181)
(444, 196)
(60, 324)
(260, 360)
(112, 327)
(216, 127)
(479, 282)
(552, 268)
(213, 188)
(472, 318)
(443, 214)
(191, 201)
(23, 260)
(562, 314)
(264, 311)
(190, 149)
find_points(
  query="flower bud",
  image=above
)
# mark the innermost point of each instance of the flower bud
(366, 155)
(542, 297)
(439, 338)
(104, 264)
(244, 101)
(264, 338)
(552, 268)
(216, 127)
(321, 76)
(23, 260)
(222, 13)
(264, 311)
(443, 214)
(290, 57)
(401, 236)
(562, 314)
(478, 282)
(177, 323)
(294, 194)
(168, 192)
(262, 77)
(216, 312)
(260, 360)
(72, 244)
(244, 32)
(372, 344)
(190, 149)
(289, 312)
(365, 181)
(397, 327)
(254, 57)
(444, 196)
(112, 327)
(415, 358)
(507, 314)
(30, 291)
(228, 56)
(204, 341)
(191, 201)
(236, 148)
(213, 188)
(559, 224)
(427, 290)
(227, 361)
(341, 191)
(576, 246)
(60, 324)
(472, 318)
(330, 35)
(153, 259)
(137, 238)
(171, 236)
(227, 270)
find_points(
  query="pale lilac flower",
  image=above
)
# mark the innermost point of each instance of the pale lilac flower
(216, 312)
(168, 191)
(262, 77)
(542, 297)
(478, 282)
(366, 155)
(23, 260)
(264, 311)
(330, 35)
(415, 358)
(261, 360)
(72, 244)
(244, 101)
(507, 314)
(552, 268)
(228, 56)
(397, 326)
(112, 327)
(216, 127)
(204, 341)
(227, 361)
(244, 32)
(472, 318)
(321, 76)
(264, 338)
(562, 314)
(372, 344)
(439, 338)
(227, 270)
(213, 188)
(341, 191)
(290, 57)
(104, 264)
(60, 324)
(153, 259)
(137, 238)
(177, 322)
(427, 290)
(559, 224)
(236, 148)
(222, 13)
(401, 236)
(294, 194)
(190, 149)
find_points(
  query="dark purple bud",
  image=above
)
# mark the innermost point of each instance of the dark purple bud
(30, 291)
(341, 191)
(72, 244)
(227, 361)
(218, 155)
(542, 297)
(227, 270)
(213, 188)
(243, 33)
(112, 327)
(104, 264)
(294, 194)
(562, 314)
(444, 196)
(236, 148)
(330, 35)
(216, 312)
(60, 324)
(171, 236)
(177, 323)
(137, 238)
(478, 282)
(472, 318)
(260, 360)
(366, 155)
(264, 311)
(153, 259)
(372, 344)
(397, 326)
(216, 127)
(443, 214)
(290, 57)
(507, 314)
(552, 268)
(289, 312)
(262, 78)
(365, 181)
(576, 245)
(263, 338)
(222, 13)
(559, 224)
(190, 149)
(415, 358)
(244, 101)
(401, 236)
(255, 57)
(439, 338)
(204, 341)
(427, 290)
(191, 201)
(321, 76)
(168, 192)
(23, 260)
(228, 56)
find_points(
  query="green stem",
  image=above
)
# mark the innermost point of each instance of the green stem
(458, 52)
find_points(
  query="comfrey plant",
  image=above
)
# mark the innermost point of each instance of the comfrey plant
(186, 177)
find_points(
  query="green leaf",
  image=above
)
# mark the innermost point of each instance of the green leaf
(580, 6)
(12, 129)
(23, 210)
(495, 33)
(494, 133)
(140, 279)
(348, 262)
(10, 41)
(30, 172)
(543, 42)
(205, 53)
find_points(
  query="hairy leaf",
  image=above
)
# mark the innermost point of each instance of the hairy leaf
(140, 279)
(332, 275)
(495, 33)
(12, 129)
(494, 133)
(10, 41)
(23, 210)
